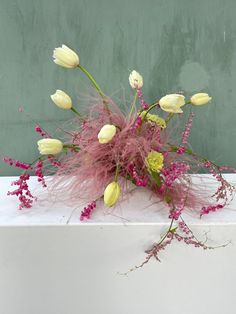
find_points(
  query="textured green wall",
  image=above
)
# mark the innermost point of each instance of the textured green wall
(176, 44)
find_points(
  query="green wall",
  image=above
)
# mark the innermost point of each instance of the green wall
(176, 44)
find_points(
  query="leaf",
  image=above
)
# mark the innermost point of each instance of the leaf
(168, 198)
(173, 230)
(156, 177)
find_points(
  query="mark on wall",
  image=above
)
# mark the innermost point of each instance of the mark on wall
(193, 77)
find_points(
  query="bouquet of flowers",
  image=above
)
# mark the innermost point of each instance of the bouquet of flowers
(106, 148)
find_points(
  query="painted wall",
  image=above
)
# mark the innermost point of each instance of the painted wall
(175, 44)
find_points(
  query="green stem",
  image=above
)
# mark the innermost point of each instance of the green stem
(95, 84)
(165, 235)
(152, 106)
(169, 117)
(191, 153)
(117, 172)
(133, 105)
(39, 158)
(76, 147)
(75, 111)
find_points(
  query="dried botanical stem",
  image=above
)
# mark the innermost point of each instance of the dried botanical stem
(133, 105)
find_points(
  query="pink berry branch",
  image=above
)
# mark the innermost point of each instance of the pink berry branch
(36, 167)
(184, 235)
(22, 191)
(225, 187)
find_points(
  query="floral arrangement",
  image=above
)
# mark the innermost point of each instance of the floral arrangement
(107, 148)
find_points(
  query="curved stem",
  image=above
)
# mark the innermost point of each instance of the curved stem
(93, 81)
(152, 106)
(95, 84)
(169, 117)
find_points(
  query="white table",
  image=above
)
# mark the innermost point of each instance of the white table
(51, 263)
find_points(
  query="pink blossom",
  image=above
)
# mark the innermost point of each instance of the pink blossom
(210, 208)
(22, 192)
(137, 123)
(39, 172)
(39, 130)
(174, 171)
(16, 163)
(87, 211)
(186, 132)
(144, 104)
(139, 180)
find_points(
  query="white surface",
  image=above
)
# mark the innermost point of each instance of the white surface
(139, 207)
(50, 267)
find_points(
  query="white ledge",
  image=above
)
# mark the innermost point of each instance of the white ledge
(138, 208)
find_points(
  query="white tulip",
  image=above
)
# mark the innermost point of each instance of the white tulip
(135, 79)
(61, 99)
(172, 103)
(50, 146)
(65, 57)
(200, 99)
(106, 133)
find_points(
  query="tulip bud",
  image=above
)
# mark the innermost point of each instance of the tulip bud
(61, 99)
(65, 57)
(111, 194)
(50, 146)
(172, 103)
(135, 80)
(200, 99)
(106, 133)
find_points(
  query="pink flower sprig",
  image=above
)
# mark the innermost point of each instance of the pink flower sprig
(226, 168)
(22, 192)
(225, 191)
(87, 211)
(54, 162)
(210, 208)
(174, 171)
(39, 172)
(185, 134)
(137, 123)
(183, 235)
(16, 163)
(39, 130)
(139, 180)
(181, 150)
(177, 209)
(184, 228)
(175, 214)
(186, 235)
(144, 104)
